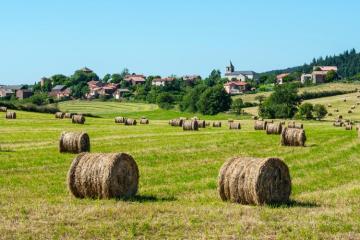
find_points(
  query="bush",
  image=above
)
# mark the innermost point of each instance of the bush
(237, 105)
(306, 111)
(320, 111)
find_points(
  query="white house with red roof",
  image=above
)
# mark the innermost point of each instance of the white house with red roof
(236, 87)
(161, 81)
(280, 78)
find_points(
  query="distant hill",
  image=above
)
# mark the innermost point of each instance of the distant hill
(348, 64)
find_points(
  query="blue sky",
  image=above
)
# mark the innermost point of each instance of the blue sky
(42, 38)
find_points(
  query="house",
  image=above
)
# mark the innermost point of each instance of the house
(135, 79)
(119, 94)
(64, 94)
(108, 89)
(55, 91)
(236, 87)
(8, 90)
(191, 78)
(280, 78)
(24, 93)
(318, 75)
(4, 92)
(162, 81)
(243, 76)
(94, 89)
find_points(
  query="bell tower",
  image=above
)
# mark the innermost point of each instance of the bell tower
(230, 68)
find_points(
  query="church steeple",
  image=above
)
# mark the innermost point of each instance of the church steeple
(230, 68)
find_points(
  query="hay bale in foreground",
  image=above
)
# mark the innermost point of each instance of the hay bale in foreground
(348, 127)
(78, 119)
(74, 142)
(234, 126)
(216, 124)
(104, 176)
(274, 128)
(120, 119)
(59, 115)
(293, 137)
(69, 115)
(295, 125)
(260, 125)
(3, 109)
(190, 125)
(254, 181)
(144, 121)
(10, 115)
(130, 122)
(201, 123)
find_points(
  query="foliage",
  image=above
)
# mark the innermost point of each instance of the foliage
(214, 100)
(320, 111)
(165, 100)
(330, 76)
(311, 95)
(282, 103)
(190, 99)
(237, 105)
(306, 111)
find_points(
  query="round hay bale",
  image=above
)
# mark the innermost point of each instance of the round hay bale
(201, 123)
(234, 126)
(59, 115)
(78, 119)
(207, 124)
(3, 109)
(295, 125)
(348, 127)
(176, 122)
(68, 115)
(130, 122)
(293, 137)
(190, 125)
(217, 124)
(120, 119)
(358, 96)
(338, 124)
(255, 117)
(144, 121)
(74, 142)
(104, 176)
(329, 105)
(353, 107)
(336, 110)
(339, 117)
(10, 115)
(350, 111)
(344, 99)
(330, 114)
(260, 125)
(254, 181)
(274, 128)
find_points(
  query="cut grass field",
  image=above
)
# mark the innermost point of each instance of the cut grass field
(178, 179)
(316, 88)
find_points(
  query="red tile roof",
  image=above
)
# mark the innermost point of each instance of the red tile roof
(236, 83)
(280, 76)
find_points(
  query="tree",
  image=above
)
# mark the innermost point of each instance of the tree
(116, 78)
(320, 111)
(190, 99)
(214, 78)
(330, 76)
(306, 111)
(282, 103)
(237, 105)
(106, 78)
(166, 100)
(214, 100)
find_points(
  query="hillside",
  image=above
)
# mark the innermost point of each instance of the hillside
(348, 64)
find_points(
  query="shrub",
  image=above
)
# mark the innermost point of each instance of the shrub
(306, 111)
(320, 111)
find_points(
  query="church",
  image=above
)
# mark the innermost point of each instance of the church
(242, 76)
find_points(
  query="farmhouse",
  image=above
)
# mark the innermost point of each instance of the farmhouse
(236, 87)
(24, 93)
(280, 78)
(191, 78)
(120, 93)
(56, 91)
(135, 79)
(161, 81)
(243, 76)
(9, 90)
(318, 75)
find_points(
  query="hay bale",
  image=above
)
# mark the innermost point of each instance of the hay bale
(59, 115)
(176, 122)
(274, 128)
(103, 175)
(338, 124)
(295, 125)
(201, 123)
(293, 137)
(207, 124)
(353, 107)
(254, 181)
(216, 124)
(120, 119)
(190, 125)
(260, 125)
(348, 127)
(78, 119)
(344, 99)
(144, 121)
(10, 115)
(130, 122)
(330, 114)
(69, 115)
(339, 117)
(329, 105)
(255, 117)
(350, 111)
(74, 142)
(336, 110)
(234, 126)
(3, 109)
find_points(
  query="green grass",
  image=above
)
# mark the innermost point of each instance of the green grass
(177, 193)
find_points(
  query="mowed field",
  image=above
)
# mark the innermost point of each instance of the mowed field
(177, 195)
